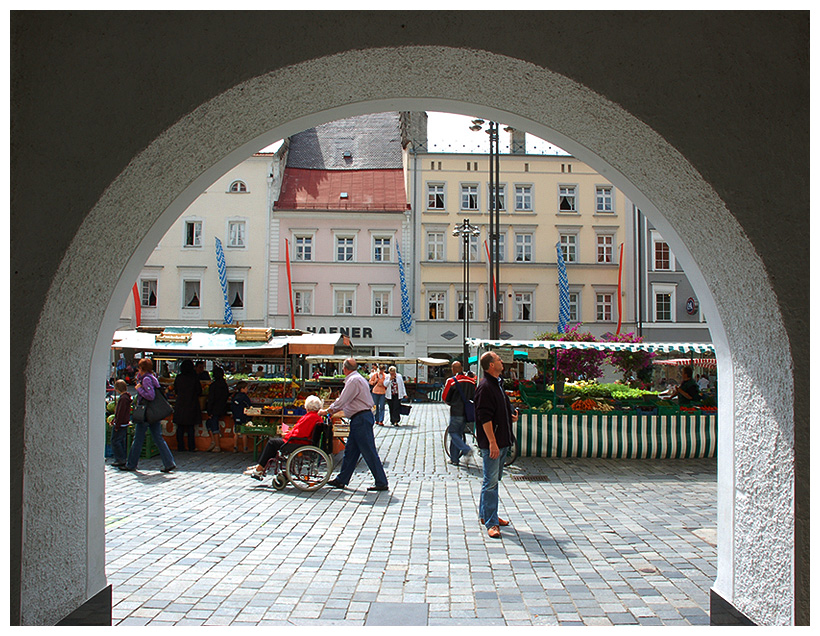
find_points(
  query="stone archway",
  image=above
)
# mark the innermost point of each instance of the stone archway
(755, 523)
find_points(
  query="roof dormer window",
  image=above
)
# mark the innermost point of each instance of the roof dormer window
(237, 187)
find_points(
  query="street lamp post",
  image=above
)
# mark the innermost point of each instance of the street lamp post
(466, 232)
(495, 285)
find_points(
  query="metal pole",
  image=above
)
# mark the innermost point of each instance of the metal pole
(497, 235)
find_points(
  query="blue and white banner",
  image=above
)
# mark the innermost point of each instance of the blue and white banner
(563, 291)
(406, 314)
(223, 280)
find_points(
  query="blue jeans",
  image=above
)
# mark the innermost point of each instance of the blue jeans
(118, 447)
(361, 443)
(493, 469)
(139, 437)
(458, 446)
(378, 400)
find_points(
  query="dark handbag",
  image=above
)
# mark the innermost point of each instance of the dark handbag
(158, 408)
(404, 409)
(469, 405)
(138, 414)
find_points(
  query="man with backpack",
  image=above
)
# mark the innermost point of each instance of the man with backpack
(458, 392)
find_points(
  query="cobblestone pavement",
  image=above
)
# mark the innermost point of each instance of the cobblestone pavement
(591, 542)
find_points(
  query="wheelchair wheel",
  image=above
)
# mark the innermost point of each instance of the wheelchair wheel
(308, 468)
(279, 481)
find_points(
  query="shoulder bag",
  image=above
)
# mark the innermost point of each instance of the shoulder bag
(469, 405)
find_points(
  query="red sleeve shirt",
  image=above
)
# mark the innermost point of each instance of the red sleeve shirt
(304, 427)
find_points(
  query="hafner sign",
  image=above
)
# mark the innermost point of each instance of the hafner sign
(352, 332)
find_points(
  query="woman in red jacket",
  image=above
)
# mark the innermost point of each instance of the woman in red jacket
(302, 431)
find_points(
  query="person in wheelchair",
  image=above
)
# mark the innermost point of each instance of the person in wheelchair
(300, 435)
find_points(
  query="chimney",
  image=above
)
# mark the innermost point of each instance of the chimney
(413, 130)
(518, 142)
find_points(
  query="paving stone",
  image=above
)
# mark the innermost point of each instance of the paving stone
(211, 547)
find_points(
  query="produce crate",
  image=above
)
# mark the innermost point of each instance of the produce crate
(258, 429)
(535, 397)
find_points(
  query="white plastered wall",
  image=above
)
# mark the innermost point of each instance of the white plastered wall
(755, 503)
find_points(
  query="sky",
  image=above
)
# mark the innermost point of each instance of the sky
(451, 133)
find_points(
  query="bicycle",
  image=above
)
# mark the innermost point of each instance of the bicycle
(472, 442)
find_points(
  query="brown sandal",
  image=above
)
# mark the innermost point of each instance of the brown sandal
(494, 532)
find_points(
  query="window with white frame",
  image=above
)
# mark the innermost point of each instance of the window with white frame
(237, 187)
(303, 247)
(603, 200)
(236, 234)
(191, 294)
(603, 306)
(663, 306)
(523, 306)
(381, 302)
(662, 256)
(435, 196)
(664, 302)
(502, 247)
(523, 247)
(604, 248)
(435, 246)
(475, 254)
(436, 304)
(567, 196)
(148, 292)
(343, 302)
(193, 234)
(574, 306)
(303, 301)
(501, 199)
(236, 294)
(382, 249)
(470, 305)
(569, 247)
(469, 196)
(344, 249)
(523, 198)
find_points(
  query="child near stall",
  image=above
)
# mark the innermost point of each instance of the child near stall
(239, 402)
(122, 416)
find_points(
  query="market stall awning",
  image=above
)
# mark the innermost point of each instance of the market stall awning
(666, 347)
(223, 341)
(434, 362)
(706, 363)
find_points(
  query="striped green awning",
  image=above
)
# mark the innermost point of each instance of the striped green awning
(664, 347)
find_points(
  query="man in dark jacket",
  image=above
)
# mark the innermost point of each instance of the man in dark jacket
(494, 432)
(458, 400)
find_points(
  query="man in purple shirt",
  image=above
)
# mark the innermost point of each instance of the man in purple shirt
(356, 403)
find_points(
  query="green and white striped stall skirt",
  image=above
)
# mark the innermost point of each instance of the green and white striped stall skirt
(616, 435)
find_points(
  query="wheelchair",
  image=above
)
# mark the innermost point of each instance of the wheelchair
(305, 463)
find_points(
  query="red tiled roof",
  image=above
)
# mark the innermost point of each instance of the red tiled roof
(304, 189)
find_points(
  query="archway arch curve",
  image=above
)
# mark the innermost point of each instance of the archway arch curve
(92, 282)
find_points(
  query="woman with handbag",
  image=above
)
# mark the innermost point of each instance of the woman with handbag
(394, 393)
(148, 389)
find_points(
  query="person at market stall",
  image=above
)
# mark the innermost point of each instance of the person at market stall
(703, 383)
(147, 385)
(300, 434)
(239, 402)
(122, 417)
(187, 414)
(356, 402)
(378, 390)
(688, 391)
(217, 406)
(457, 401)
(394, 393)
(201, 373)
(494, 433)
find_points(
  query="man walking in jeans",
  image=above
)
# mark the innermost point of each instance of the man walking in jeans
(458, 420)
(356, 402)
(494, 433)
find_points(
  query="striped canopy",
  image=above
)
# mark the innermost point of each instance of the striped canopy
(663, 347)
(706, 363)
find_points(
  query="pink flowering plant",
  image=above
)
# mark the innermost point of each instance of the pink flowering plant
(629, 363)
(576, 364)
